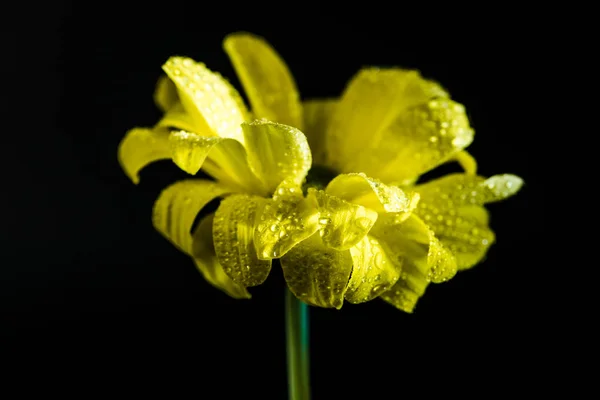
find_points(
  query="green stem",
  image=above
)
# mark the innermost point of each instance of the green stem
(296, 321)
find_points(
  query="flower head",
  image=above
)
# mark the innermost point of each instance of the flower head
(369, 232)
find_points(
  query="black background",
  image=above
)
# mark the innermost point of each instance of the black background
(85, 277)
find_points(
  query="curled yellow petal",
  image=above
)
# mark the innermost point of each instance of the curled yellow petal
(189, 151)
(464, 230)
(342, 224)
(178, 205)
(372, 193)
(372, 100)
(372, 272)
(466, 161)
(465, 189)
(418, 140)
(276, 152)
(165, 94)
(211, 101)
(140, 147)
(266, 78)
(412, 239)
(284, 221)
(317, 274)
(405, 294)
(177, 118)
(233, 233)
(205, 258)
(317, 115)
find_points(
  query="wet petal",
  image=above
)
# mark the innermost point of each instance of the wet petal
(233, 232)
(372, 193)
(405, 294)
(371, 102)
(205, 258)
(266, 78)
(464, 189)
(276, 152)
(418, 140)
(208, 98)
(177, 118)
(372, 272)
(178, 205)
(140, 147)
(189, 151)
(412, 239)
(165, 94)
(317, 274)
(284, 221)
(317, 115)
(342, 224)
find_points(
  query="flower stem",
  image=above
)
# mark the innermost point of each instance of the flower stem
(296, 319)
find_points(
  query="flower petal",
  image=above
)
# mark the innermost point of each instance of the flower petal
(177, 118)
(266, 78)
(372, 272)
(466, 161)
(371, 102)
(317, 115)
(370, 192)
(464, 189)
(211, 101)
(140, 147)
(189, 151)
(233, 232)
(284, 221)
(412, 239)
(165, 94)
(343, 224)
(178, 205)
(205, 258)
(451, 206)
(276, 152)
(317, 274)
(412, 245)
(405, 294)
(418, 140)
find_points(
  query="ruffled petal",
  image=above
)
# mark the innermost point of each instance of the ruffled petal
(140, 147)
(418, 140)
(466, 161)
(165, 93)
(205, 258)
(178, 205)
(189, 151)
(372, 100)
(177, 118)
(372, 193)
(372, 272)
(342, 224)
(266, 78)
(317, 115)
(208, 98)
(285, 220)
(412, 239)
(317, 274)
(412, 245)
(276, 152)
(452, 207)
(233, 232)
(405, 294)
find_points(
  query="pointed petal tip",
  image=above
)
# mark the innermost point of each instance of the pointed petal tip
(505, 185)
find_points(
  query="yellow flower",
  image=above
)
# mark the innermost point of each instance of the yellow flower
(370, 232)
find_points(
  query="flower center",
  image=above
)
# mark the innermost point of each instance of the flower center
(318, 177)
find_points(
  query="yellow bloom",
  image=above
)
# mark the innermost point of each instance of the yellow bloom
(370, 232)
